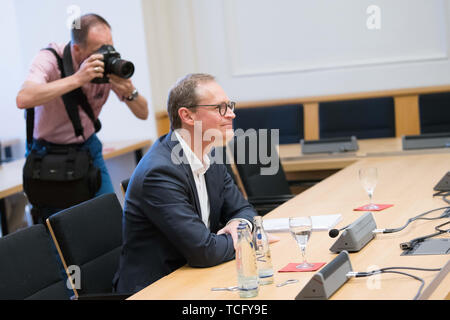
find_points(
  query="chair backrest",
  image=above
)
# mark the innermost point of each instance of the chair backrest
(89, 236)
(287, 118)
(124, 185)
(364, 118)
(247, 153)
(434, 110)
(29, 268)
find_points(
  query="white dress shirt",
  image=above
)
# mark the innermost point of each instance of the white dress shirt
(198, 171)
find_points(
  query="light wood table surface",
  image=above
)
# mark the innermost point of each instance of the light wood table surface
(293, 160)
(405, 182)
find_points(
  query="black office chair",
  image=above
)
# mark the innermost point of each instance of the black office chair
(29, 268)
(124, 185)
(266, 187)
(219, 155)
(363, 118)
(434, 110)
(287, 118)
(89, 235)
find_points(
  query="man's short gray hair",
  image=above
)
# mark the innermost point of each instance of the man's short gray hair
(79, 35)
(183, 94)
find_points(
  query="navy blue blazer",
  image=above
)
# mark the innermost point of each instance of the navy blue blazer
(162, 225)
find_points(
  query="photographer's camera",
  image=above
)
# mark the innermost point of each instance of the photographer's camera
(114, 64)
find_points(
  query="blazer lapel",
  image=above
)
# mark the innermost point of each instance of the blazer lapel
(213, 195)
(177, 154)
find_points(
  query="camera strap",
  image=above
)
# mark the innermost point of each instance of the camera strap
(71, 100)
(77, 94)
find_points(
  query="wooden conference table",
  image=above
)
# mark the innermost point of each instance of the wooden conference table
(11, 172)
(405, 181)
(294, 161)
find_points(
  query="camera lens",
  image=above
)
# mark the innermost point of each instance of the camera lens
(122, 68)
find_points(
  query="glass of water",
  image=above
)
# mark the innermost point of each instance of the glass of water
(368, 178)
(301, 228)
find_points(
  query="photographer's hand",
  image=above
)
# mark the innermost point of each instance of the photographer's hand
(92, 67)
(124, 88)
(34, 94)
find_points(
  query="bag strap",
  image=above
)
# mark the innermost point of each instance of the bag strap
(68, 98)
(70, 163)
(29, 115)
(78, 94)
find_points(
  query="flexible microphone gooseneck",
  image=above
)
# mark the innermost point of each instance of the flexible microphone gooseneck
(333, 233)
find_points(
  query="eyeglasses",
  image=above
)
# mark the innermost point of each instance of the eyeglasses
(221, 106)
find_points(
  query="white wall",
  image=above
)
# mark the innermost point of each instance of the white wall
(270, 49)
(12, 124)
(27, 26)
(258, 49)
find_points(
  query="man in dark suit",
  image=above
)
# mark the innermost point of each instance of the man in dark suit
(181, 207)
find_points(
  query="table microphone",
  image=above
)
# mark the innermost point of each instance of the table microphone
(333, 233)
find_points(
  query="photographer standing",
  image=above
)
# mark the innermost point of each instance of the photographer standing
(48, 92)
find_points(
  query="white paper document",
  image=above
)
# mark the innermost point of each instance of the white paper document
(320, 223)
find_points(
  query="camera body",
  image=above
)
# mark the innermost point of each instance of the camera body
(113, 64)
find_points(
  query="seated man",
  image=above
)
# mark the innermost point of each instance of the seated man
(180, 206)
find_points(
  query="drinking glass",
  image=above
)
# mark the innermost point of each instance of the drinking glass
(300, 228)
(368, 177)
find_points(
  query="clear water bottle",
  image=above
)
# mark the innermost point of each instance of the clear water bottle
(263, 257)
(246, 263)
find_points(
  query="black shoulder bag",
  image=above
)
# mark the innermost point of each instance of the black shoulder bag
(63, 175)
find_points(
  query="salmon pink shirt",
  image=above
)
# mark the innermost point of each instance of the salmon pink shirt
(51, 121)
